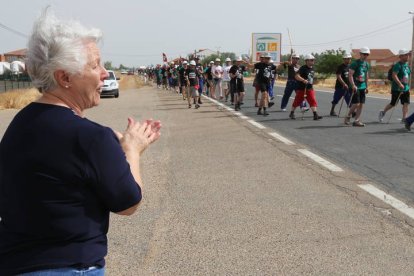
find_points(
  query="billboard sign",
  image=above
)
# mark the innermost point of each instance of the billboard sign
(266, 43)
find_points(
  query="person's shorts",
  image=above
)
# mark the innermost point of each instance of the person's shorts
(358, 97)
(404, 98)
(183, 83)
(192, 92)
(174, 82)
(226, 84)
(261, 86)
(216, 82)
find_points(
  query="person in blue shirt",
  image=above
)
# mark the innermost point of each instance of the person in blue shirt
(61, 174)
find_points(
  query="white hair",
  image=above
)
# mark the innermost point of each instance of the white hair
(57, 45)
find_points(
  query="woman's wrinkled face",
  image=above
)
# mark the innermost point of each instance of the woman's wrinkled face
(88, 84)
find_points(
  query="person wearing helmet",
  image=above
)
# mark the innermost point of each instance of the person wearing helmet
(291, 83)
(182, 78)
(305, 91)
(192, 83)
(209, 77)
(217, 72)
(400, 87)
(342, 83)
(226, 79)
(358, 81)
(257, 88)
(237, 82)
(263, 72)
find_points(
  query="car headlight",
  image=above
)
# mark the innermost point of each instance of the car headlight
(113, 84)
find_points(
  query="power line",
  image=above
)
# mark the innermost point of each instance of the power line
(369, 34)
(13, 31)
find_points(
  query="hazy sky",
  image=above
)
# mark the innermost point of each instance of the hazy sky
(137, 32)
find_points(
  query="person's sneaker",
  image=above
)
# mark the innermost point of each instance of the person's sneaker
(407, 126)
(199, 101)
(189, 106)
(333, 113)
(272, 98)
(381, 116)
(347, 120)
(353, 114)
(197, 106)
(271, 104)
(292, 116)
(317, 117)
(283, 109)
(259, 112)
(265, 113)
(358, 124)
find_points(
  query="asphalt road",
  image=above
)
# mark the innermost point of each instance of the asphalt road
(223, 198)
(380, 151)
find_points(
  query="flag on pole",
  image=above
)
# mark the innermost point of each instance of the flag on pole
(164, 57)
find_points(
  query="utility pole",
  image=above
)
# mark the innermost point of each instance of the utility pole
(412, 53)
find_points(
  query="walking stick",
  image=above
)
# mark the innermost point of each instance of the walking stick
(392, 111)
(304, 102)
(342, 102)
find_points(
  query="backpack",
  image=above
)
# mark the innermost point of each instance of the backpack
(389, 75)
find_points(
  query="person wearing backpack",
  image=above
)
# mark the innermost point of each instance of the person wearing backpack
(400, 88)
(358, 80)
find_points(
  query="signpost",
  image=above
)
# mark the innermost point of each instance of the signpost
(266, 43)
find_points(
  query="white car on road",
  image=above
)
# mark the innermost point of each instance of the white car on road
(111, 86)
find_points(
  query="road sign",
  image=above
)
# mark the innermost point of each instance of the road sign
(266, 43)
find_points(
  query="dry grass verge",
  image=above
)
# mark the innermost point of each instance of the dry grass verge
(17, 99)
(130, 82)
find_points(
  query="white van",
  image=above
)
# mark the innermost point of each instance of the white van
(111, 86)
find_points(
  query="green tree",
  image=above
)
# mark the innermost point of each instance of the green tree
(108, 65)
(327, 62)
(122, 67)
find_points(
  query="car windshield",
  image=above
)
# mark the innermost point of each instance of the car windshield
(111, 76)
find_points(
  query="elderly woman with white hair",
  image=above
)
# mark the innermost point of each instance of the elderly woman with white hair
(61, 174)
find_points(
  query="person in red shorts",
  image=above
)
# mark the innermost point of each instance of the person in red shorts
(305, 91)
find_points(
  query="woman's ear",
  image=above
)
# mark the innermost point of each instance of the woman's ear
(62, 78)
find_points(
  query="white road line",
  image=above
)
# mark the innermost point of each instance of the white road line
(281, 138)
(325, 163)
(256, 124)
(389, 199)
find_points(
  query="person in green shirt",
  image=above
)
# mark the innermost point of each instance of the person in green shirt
(400, 88)
(358, 80)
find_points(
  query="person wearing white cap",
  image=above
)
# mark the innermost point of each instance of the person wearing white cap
(305, 91)
(226, 78)
(262, 82)
(237, 83)
(192, 75)
(342, 83)
(217, 72)
(400, 87)
(293, 67)
(358, 81)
